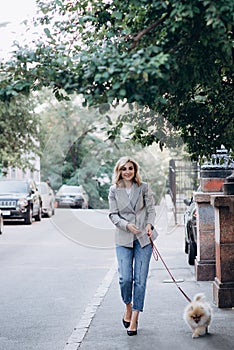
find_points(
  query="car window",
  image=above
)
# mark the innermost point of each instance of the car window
(70, 189)
(13, 187)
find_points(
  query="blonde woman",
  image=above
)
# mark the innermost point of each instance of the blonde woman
(132, 211)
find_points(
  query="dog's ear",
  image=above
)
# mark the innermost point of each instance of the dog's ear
(190, 308)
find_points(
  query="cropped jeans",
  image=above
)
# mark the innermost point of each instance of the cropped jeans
(133, 267)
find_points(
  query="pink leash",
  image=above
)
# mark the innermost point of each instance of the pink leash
(156, 254)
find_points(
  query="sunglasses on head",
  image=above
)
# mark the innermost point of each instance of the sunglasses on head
(125, 168)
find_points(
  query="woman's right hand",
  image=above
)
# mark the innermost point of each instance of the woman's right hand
(132, 228)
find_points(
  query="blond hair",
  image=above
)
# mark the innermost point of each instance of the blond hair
(117, 177)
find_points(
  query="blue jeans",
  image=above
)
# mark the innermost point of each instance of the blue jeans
(133, 267)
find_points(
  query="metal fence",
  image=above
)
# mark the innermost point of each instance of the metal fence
(183, 180)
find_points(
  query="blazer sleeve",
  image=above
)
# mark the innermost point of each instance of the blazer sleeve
(114, 215)
(149, 204)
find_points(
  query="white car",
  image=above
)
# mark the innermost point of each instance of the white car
(48, 199)
(72, 196)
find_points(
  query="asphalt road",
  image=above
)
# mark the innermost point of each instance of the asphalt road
(49, 273)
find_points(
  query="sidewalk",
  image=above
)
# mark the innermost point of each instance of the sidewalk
(161, 325)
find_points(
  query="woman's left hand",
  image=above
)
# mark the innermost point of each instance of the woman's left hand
(149, 230)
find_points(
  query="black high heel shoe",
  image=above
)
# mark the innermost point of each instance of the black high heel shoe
(131, 333)
(126, 323)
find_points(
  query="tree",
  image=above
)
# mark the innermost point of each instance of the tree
(76, 150)
(20, 133)
(174, 58)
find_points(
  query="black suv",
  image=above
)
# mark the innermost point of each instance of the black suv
(20, 200)
(1, 222)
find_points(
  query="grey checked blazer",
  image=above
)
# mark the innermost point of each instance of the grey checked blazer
(139, 209)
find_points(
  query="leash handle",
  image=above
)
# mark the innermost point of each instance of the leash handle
(156, 254)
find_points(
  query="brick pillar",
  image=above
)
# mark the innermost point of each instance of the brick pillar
(205, 260)
(223, 285)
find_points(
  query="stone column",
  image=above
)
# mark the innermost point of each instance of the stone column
(205, 260)
(223, 285)
(211, 182)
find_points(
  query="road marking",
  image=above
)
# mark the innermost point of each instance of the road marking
(80, 330)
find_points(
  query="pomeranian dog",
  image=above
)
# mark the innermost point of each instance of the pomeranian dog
(197, 315)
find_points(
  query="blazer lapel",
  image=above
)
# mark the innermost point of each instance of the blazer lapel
(135, 195)
(123, 199)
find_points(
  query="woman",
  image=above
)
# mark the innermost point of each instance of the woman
(132, 211)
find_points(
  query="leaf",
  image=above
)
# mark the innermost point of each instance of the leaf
(117, 15)
(122, 92)
(116, 85)
(58, 2)
(145, 76)
(103, 108)
(47, 32)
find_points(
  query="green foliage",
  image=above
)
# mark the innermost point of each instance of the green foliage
(76, 150)
(20, 133)
(75, 147)
(173, 57)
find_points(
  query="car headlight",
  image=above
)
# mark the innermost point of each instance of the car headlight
(22, 202)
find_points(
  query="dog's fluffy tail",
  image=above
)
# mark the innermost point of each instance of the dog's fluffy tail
(200, 297)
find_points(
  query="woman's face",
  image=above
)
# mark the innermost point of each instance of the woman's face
(127, 171)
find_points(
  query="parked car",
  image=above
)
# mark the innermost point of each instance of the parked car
(1, 223)
(72, 196)
(20, 200)
(190, 224)
(48, 199)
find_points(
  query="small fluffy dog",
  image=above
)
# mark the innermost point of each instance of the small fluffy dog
(197, 315)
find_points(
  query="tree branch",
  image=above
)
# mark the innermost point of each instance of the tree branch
(138, 37)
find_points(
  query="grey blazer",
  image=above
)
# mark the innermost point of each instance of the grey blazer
(139, 209)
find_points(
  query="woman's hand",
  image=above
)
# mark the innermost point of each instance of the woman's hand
(149, 230)
(132, 228)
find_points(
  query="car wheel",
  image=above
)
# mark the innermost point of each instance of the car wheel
(29, 217)
(186, 246)
(38, 216)
(192, 252)
(50, 212)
